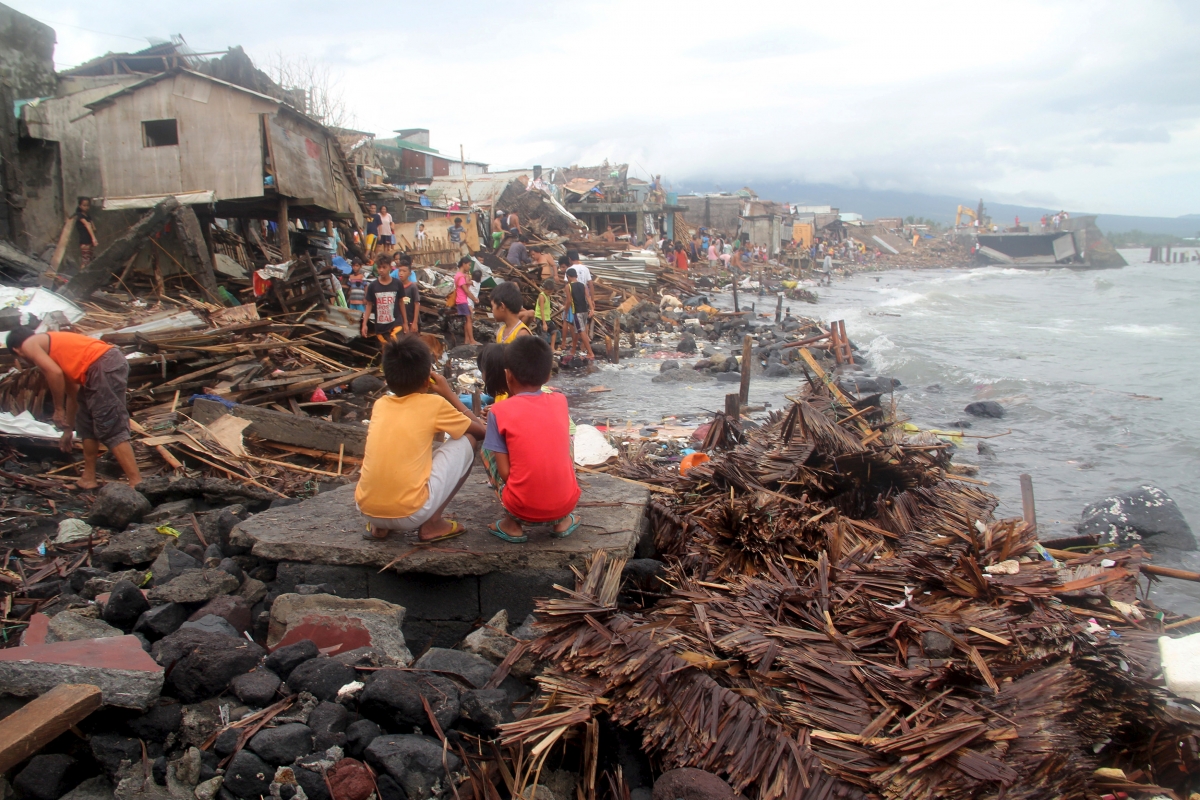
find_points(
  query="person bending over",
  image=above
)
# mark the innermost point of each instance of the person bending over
(405, 485)
(527, 448)
(87, 379)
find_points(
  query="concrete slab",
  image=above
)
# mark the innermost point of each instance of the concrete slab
(126, 674)
(327, 529)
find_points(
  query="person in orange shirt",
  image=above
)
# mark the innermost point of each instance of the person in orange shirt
(87, 379)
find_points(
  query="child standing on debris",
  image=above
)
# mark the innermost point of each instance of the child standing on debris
(543, 311)
(383, 295)
(464, 298)
(410, 299)
(506, 308)
(457, 233)
(404, 484)
(528, 448)
(578, 299)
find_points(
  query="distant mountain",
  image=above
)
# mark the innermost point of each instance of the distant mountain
(941, 208)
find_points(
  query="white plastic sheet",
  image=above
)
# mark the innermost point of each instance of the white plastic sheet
(591, 448)
(24, 424)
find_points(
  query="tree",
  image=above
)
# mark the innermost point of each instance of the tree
(314, 89)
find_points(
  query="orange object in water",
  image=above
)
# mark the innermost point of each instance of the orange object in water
(691, 460)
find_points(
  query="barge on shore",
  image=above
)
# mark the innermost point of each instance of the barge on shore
(1077, 244)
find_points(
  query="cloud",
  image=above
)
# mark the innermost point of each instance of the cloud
(1091, 105)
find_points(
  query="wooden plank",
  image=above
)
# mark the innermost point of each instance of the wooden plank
(41, 721)
(747, 365)
(187, 228)
(276, 426)
(60, 250)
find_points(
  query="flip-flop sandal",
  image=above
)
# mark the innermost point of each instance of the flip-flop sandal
(498, 532)
(574, 526)
(455, 530)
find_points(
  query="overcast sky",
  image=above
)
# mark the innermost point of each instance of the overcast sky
(1085, 105)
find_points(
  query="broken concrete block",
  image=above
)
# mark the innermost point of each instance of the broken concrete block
(252, 590)
(339, 623)
(213, 624)
(492, 640)
(166, 511)
(193, 586)
(70, 626)
(138, 545)
(72, 530)
(171, 562)
(126, 674)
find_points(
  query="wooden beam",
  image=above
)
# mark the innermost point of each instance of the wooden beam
(276, 426)
(43, 720)
(285, 238)
(195, 247)
(60, 251)
(747, 365)
(113, 257)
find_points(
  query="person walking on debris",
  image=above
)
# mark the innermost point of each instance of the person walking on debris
(85, 231)
(578, 298)
(385, 229)
(420, 234)
(382, 297)
(518, 253)
(372, 227)
(463, 297)
(527, 448)
(543, 312)
(88, 379)
(680, 256)
(404, 485)
(497, 230)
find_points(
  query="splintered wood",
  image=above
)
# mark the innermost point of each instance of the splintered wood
(840, 618)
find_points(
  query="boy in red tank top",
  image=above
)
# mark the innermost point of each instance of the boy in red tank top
(527, 447)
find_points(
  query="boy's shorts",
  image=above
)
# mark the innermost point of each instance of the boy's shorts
(451, 462)
(581, 321)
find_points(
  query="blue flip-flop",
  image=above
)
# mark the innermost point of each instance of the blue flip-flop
(574, 526)
(498, 532)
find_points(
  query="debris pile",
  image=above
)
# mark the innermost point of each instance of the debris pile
(842, 618)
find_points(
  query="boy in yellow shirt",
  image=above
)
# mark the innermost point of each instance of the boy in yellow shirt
(405, 485)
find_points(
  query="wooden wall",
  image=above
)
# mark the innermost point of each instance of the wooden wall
(220, 144)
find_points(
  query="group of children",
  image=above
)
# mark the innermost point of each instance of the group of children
(406, 484)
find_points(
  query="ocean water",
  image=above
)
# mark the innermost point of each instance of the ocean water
(1096, 371)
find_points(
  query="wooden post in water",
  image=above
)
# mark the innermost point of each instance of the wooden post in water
(747, 365)
(615, 355)
(732, 406)
(779, 309)
(847, 353)
(735, 297)
(1028, 510)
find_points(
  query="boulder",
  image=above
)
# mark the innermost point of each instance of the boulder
(247, 775)
(339, 622)
(97, 788)
(328, 718)
(349, 779)
(138, 545)
(252, 590)
(1146, 515)
(359, 734)
(170, 563)
(161, 720)
(937, 645)
(985, 408)
(679, 376)
(233, 568)
(124, 605)
(168, 511)
(729, 377)
(415, 762)
(486, 708)
(194, 586)
(231, 608)
(691, 784)
(776, 370)
(492, 640)
(70, 626)
(96, 585)
(284, 744)
(287, 658)
(47, 777)
(211, 623)
(257, 688)
(201, 664)
(110, 749)
(392, 698)
(161, 621)
(687, 344)
(668, 365)
(474, 669)
(321, 677)
(117, 505)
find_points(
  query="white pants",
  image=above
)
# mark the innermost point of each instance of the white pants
(451, 462)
